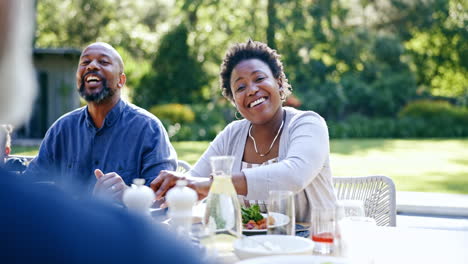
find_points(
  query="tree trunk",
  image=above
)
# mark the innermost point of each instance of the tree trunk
(271, 13)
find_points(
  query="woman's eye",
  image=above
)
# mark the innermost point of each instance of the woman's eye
(240, 88)
(86, 62)
(104, 62)
(261, 78)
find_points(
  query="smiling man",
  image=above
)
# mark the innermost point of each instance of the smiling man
(40, 224)
(103, 146)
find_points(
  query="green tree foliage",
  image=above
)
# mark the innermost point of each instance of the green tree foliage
(440, 51)
(348, 60)
(72, 23)
(173, 113)
(176, 74)
(340, 67)
(134, 25)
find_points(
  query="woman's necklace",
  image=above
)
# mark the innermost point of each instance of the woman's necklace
(272, 143)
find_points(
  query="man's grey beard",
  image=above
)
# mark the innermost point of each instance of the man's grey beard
(99, 97)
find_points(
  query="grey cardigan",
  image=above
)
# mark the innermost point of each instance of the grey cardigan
(303, 161)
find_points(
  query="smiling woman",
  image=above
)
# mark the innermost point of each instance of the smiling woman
(275, 147)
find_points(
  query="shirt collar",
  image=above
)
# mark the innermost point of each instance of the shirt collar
(111, 117)
(114, 114)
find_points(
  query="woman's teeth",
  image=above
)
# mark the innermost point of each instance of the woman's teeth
(257, 102)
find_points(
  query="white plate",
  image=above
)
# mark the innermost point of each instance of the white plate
(280, 220)
(269, 245)
(296, 259)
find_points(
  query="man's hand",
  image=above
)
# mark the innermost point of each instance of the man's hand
(109, 185)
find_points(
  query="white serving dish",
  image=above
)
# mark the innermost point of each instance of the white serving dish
(268, 245)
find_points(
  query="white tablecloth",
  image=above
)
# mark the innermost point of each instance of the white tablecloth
(414, 246)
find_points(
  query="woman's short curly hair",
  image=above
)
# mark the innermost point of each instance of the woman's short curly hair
(252, 50)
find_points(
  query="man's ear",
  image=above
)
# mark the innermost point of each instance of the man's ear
(122, 80)
(7, 151)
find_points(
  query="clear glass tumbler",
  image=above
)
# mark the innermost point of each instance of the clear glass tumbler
(323, 229)
(281, 213)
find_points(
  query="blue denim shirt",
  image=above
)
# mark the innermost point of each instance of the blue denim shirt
(132, 142)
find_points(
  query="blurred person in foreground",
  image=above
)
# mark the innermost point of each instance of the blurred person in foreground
(44, 225)
(107, 135)
(275, 147)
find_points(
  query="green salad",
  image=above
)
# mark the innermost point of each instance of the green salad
(251, 213)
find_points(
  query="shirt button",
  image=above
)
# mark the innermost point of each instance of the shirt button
(96, 162)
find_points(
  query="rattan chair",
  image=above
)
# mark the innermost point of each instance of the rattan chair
(377, 193)
(183, 166)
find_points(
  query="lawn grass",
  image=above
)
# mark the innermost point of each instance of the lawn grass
(423, 165)
(24, 151)
(429, 165)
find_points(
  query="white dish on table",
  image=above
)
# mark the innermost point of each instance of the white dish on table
(296, 259)
(268, 245)
(280, 220)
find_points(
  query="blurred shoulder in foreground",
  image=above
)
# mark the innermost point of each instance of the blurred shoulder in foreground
(40, 223)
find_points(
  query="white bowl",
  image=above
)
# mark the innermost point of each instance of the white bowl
(292, 259)
(269, 245)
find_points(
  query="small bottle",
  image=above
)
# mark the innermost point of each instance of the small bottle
(139, 197)
(181, 200)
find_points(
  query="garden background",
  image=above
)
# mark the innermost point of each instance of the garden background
(389, 76)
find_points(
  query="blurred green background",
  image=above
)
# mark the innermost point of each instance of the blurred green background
(371, 68)
(378, 71)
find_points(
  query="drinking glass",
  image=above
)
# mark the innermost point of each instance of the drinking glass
(323, 229)
(281, 218)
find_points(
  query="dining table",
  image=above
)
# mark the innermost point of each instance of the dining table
(392, 245)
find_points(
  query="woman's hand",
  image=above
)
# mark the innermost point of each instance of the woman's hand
(164, 182)
(201, 186)
(167, 179)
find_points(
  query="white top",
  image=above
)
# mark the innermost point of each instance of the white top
(303, 165)
(261, 203)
